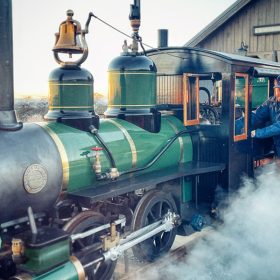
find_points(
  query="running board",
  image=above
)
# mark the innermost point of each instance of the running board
(108, 189)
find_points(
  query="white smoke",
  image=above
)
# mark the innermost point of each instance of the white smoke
(245, 246)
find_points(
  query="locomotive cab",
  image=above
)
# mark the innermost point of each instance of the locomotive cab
(213, 94)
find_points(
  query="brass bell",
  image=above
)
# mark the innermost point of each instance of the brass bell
(67, 40)
(71, 40)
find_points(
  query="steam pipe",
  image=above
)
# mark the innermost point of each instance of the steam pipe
(94, 131)
(169, 142)
(8, 120)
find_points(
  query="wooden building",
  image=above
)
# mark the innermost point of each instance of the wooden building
(256, 23)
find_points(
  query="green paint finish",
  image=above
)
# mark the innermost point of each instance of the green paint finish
(66, 271)
(132, 89)
(259, 92)
(121, 137)
(147, 144)
(42, 259)
(71, 96)
(185, 141)
(118, 145)
(76, 144)
(186, 189)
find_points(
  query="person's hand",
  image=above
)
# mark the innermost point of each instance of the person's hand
(253, 133)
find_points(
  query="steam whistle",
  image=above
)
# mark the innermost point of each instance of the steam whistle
(135, 21)
(71, 40)
(135, 16)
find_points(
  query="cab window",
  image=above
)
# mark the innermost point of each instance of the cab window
(240, 106)
(191, 99)
(202, 98)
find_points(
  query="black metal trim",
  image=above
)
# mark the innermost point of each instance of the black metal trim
(118, 187)
(8, 119)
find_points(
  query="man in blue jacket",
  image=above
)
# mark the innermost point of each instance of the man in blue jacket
(269, 111)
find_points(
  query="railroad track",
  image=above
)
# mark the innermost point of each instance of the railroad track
(129, 267)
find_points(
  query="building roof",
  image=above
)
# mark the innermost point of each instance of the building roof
(217, 22)
(177, 52)
(179, 60)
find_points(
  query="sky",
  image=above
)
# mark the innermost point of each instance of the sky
(36, 21)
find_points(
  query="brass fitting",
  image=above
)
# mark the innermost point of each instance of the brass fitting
(113, 230)
(17, 250)
(97, 163)
(114, 173)
(111, 240)
(135, 24)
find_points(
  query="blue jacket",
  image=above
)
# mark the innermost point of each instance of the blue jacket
(269, 111)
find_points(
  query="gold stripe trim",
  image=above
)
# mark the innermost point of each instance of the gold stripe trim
(130, 141)
(67, 107)
(181, 143)
(62, 153)
(122, 105)
(79, 268)
(62, 84)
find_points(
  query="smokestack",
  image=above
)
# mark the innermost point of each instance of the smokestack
(162, 38)
(8, 120)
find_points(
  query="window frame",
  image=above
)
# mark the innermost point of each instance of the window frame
(244, 135)
(186, 90)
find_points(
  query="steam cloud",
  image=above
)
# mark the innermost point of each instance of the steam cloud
(246, 246)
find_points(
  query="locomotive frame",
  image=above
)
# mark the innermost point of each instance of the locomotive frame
(220, 158)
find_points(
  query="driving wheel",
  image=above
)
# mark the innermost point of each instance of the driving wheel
(151, 208)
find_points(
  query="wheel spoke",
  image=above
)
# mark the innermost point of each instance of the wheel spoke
(152, 216)
(96, 267)
(160, 209)
(157, 241)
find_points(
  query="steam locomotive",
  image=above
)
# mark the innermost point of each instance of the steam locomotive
(77, 191)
